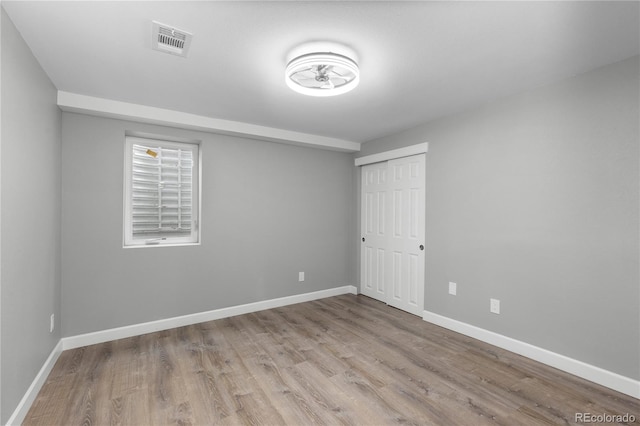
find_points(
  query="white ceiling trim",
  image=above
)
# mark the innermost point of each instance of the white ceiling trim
(73, 102)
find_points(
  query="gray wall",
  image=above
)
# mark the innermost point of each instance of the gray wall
(268, 211)
(30, 217)
(533, 200)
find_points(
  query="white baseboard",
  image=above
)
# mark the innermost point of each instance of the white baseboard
(169, 323)
(581, 369)
(25, 403)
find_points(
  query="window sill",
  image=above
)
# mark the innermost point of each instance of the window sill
(160, 245)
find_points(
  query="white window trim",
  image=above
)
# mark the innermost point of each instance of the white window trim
(194, 238)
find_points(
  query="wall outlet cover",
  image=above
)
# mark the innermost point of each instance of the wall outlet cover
(453, 288)
(494, 306)
(300, 276)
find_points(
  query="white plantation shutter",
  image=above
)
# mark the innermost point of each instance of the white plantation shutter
(161, 192)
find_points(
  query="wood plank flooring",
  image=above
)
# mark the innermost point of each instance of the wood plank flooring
(346, 360)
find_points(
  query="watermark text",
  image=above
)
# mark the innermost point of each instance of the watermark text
(604, 418)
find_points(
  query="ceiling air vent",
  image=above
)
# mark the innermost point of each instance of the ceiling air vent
(166, 38)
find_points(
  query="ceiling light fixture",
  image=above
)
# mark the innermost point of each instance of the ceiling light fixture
(322, 73)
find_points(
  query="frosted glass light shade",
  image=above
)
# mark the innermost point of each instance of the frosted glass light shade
(322, 74)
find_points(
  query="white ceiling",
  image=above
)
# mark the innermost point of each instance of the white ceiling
(418, 60)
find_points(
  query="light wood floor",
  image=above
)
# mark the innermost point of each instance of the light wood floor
(343, 360)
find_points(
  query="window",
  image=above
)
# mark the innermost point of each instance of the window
(161, 192)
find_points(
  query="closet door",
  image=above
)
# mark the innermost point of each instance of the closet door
(374, 231)
(405, 242)
(393, 220)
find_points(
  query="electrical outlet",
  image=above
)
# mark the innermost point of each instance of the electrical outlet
(453, 288)
(300, 276)
(494, 306)
(52, 323)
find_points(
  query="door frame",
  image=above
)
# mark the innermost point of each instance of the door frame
(407, 151)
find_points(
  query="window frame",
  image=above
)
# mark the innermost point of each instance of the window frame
(129, 241)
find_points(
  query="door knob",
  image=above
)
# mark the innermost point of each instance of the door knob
(363, 239)
(421, 247)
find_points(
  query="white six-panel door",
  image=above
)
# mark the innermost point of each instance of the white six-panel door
(393, 220)
(374, 233)
(406, 234)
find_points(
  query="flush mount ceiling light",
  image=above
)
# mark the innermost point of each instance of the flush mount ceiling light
(322, 73)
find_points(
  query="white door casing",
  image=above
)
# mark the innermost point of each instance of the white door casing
(393, 227)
